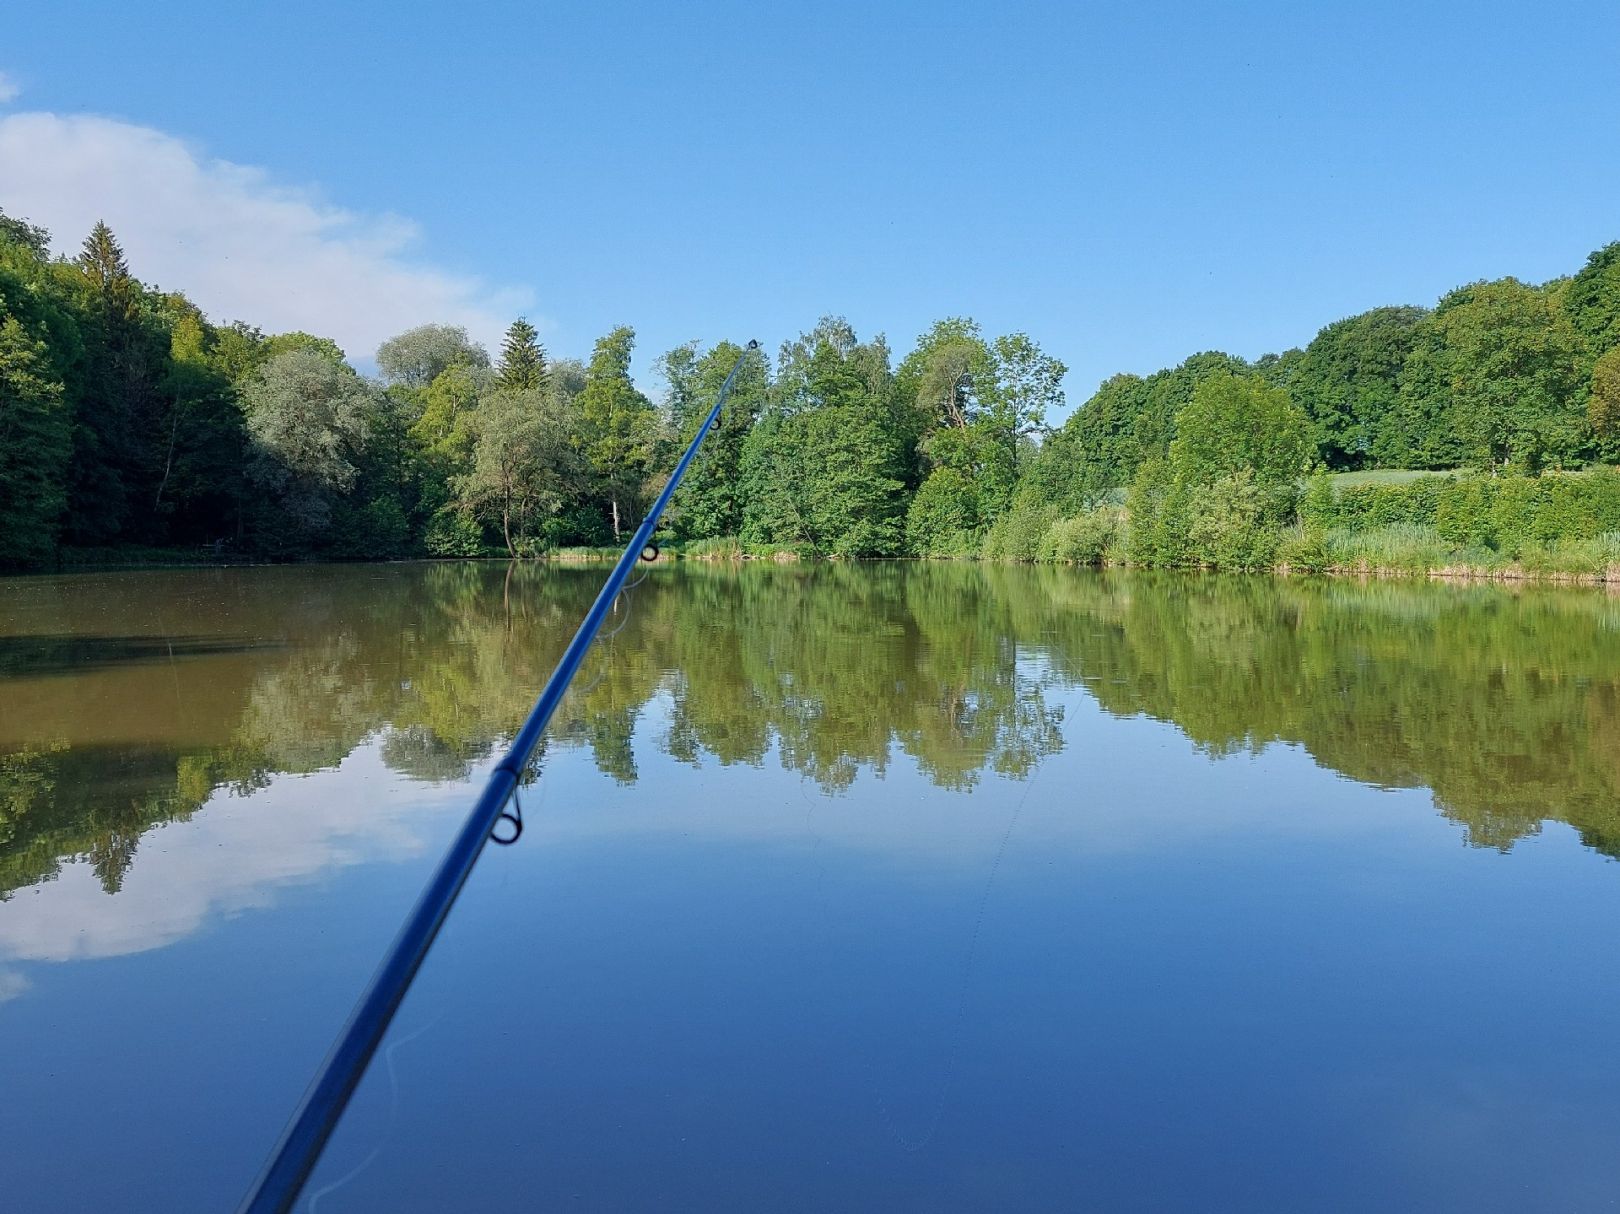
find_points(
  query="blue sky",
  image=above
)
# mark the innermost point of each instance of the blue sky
(1128, 183)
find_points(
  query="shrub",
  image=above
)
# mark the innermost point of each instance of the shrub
(452, 533)
(1017, 534)
(1085, 539)
(1235, 523)
(945, 510)
(1304, 549)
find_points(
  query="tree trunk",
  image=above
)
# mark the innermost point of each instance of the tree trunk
(168, 460)
(615, 518)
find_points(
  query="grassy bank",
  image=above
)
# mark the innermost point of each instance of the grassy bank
(1556, 527)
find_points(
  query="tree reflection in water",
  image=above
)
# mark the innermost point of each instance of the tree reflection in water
(127, 700)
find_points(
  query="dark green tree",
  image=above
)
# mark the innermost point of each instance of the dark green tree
(709, 501)
(523, 359)
(34, 446)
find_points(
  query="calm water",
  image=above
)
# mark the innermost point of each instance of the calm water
(873, 888)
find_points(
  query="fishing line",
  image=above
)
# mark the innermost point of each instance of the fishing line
(278, 1185)
(953, 1057)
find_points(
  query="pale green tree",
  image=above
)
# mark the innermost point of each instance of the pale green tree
(416, 357)
(524, 465)
(308, 420)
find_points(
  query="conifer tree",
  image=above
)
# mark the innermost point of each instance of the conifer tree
(523, 359)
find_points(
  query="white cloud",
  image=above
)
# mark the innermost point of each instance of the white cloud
(9, 89)
(239, 244)
(232, 857)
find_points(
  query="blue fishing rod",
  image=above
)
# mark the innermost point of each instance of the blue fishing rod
(295, 1155)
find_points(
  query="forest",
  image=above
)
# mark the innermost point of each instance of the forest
(132, 423)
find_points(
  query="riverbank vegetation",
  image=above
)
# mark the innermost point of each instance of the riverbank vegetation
(131, 422)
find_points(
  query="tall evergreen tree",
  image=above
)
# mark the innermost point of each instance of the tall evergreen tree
(523, 359)
(106, 497)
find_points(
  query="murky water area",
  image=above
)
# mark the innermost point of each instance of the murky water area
(879, 887)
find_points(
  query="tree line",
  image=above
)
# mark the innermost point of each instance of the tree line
(128, 418)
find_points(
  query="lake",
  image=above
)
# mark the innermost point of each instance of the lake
(843, 887)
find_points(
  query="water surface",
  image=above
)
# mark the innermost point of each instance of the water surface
(882, 887)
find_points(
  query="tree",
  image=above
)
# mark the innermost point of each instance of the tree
(281, 343)
(1592, 301)
(416, 357)
(308, 420)
(34, 448)
(105, 496)
(1166, 393)
(1239, 423)
(620, 424)
(709, 501)
(1512, 359)
(944, 377)
(825, 464)
(523, 360)
(1027, 386)
(1603, 406)
(27, 235)
(198, 446)
(524, 465)
(1348, 380)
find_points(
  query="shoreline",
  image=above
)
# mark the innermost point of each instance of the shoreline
(1459, 573)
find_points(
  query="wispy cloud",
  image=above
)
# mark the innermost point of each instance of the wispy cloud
(241, 245)
(10, 90)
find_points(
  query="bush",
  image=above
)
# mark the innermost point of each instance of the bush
(451, 533)
(1085, 539)
(1235, 523)
(944, 516)
(1017, 534)
(1157, 505)
(1304, 549)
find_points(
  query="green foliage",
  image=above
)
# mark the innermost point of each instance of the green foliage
(1348, 379)
(418, 356)
(1237, 425)
(1092, 538)
(523, 360)
(1592, 301)
(1018, 535)
(621, 427)
(34, 448)
(709, 502)
(1603, 405)
(183, 434)
(824, 466)
(1512, 358)
(308, 421)
(943, 519)
(1235, 522)
(25, 235)
(525, 467)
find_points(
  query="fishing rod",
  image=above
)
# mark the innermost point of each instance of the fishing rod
(306, 1135)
